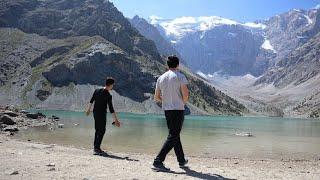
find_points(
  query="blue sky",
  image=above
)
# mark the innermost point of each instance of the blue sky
(240, 10)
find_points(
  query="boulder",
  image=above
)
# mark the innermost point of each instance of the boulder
(24, 111)
(55, 117)
(32, 115)
(11, 129)
(35, 115)
(10, 113)
(5, 119)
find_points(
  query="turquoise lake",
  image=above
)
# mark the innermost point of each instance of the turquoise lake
(207, 136)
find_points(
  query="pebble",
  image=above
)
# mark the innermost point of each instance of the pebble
(51, 165)
(60, 125)
(12, 172)
(52, 169)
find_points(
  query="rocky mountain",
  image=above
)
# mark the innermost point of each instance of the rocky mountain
(287, 31)
(299, 71)
(215, 44)
(298, 67)
(149, 31)
(290, 87)
(54, 53)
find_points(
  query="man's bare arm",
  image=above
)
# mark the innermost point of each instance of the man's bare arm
(88, 109)
(157, 95)
(185, 93)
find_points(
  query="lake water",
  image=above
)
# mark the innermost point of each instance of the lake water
(208, 136)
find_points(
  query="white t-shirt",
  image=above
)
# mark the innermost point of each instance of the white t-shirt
(169, 85)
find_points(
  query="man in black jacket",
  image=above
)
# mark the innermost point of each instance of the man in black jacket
(102, 100)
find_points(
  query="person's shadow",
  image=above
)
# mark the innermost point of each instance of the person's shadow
(106, 155)
(200, 175)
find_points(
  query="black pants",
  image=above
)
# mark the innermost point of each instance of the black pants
(100, 127)
(175, 120)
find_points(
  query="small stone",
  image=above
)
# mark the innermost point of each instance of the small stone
(60, 125)
(29, 140)
(55, 117)
(11, 129)
(236, 163)
(52, 169)
(51, 165)
(12, 172)
(76, 124)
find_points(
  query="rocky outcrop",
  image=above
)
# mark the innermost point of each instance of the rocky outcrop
(149, 31)
(64, 18)
(300, 66)
(226, 49)
(7, 120)
(287, 31)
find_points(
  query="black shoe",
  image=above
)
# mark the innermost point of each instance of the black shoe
(159, 167)
(183, 164)
(97, 152)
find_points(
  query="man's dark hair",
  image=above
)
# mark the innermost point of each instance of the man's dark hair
(173, 61)
(109, 81)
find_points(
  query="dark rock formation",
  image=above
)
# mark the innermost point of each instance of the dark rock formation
(5, 119)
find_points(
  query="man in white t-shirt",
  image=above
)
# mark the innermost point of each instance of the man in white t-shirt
(172, 91)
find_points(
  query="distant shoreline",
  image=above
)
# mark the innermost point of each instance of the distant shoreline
(204, 115)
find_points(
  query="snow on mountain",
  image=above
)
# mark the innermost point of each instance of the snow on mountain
(308, 19)
(179, 27)
(222, 80)
(267, 45)
(255, 25)
(154, 19)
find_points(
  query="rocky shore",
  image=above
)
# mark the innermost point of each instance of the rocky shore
(13, 120)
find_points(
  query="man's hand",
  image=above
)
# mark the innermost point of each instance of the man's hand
(88, 112)
(116, 122)
(88, 109)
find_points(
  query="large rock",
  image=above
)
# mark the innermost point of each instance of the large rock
(10, 113)
(35, 115)
(5, 119)
(11, 129)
